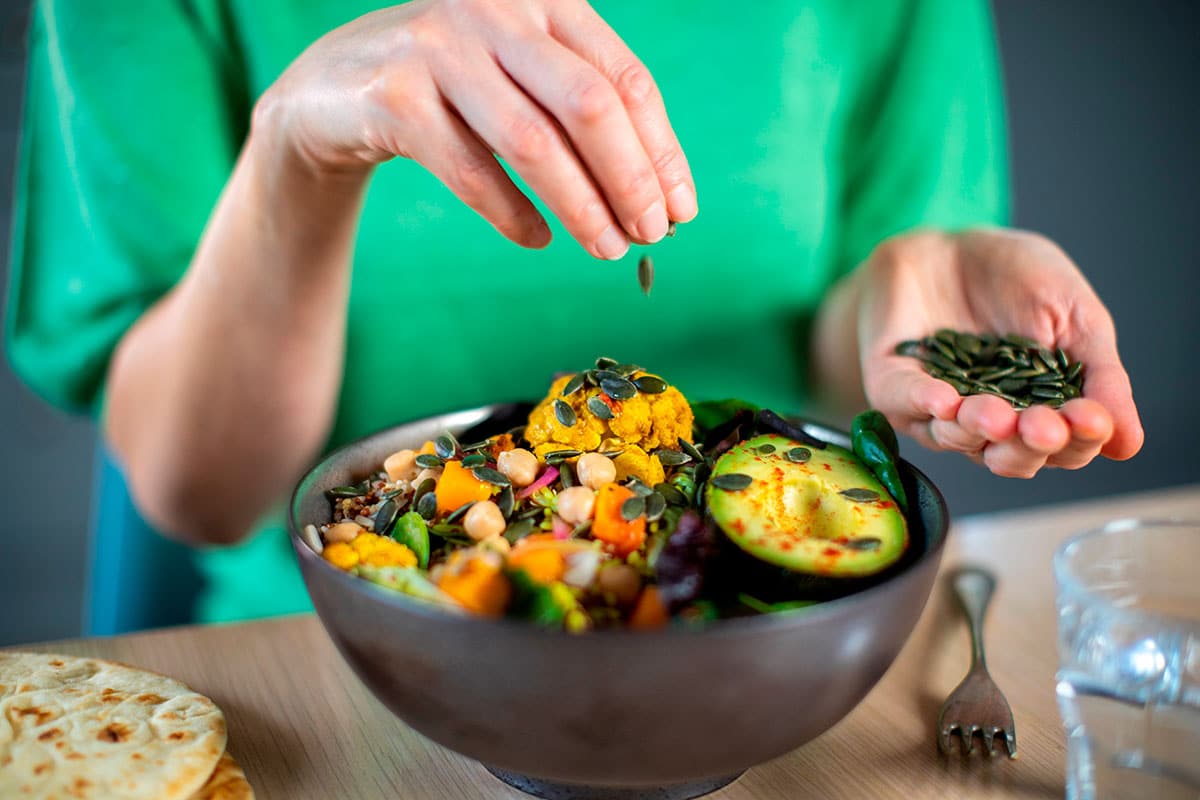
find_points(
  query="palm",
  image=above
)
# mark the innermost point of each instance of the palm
(993, 281)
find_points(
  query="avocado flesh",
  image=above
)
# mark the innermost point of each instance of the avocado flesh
(793, 516)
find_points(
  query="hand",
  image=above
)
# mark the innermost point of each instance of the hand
(996, 281)
(544, 84)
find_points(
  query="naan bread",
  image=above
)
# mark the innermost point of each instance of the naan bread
(227, 782)
(82, 728)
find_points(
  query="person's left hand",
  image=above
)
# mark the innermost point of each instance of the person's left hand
(997, 281)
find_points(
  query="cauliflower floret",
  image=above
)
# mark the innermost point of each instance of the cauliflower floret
(638, 426)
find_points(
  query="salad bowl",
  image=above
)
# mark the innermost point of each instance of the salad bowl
(671, 713)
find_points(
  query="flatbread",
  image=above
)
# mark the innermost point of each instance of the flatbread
(83, 728)
(227, 782)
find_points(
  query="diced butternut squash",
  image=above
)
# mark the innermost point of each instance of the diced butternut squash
(458, 486)
(649, 613)
(542, 564)
(620, 535)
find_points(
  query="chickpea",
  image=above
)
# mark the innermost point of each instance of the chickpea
(496, 544)
(575, 505)
(343, 532)
(595, 470)
(518, 465)
(484, 520)
(401, 465)
(621, 581)
(426, 473)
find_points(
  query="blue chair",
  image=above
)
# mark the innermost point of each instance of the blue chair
(137, 579)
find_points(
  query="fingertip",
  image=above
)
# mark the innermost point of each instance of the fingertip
(681, 203)
(1089, 421)
(988, 416)
(539, 235)
(1125, 443)
(938, 399)
(1043, 429)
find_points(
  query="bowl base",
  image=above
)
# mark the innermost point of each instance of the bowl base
(554, 790)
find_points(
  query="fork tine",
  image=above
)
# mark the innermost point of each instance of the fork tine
(944, 738)
(968, 737)
(989, 738)
(1010, 741)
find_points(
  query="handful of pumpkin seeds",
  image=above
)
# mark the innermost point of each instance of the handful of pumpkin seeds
(1013, 367)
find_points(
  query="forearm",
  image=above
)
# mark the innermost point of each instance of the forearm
(225, 389)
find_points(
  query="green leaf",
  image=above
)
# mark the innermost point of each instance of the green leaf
(875, 444)
(407, 580)
(714, 413)
(533, 602)
(761, 607)
(412, 532)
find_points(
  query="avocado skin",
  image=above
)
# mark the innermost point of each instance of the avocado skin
(784, 518)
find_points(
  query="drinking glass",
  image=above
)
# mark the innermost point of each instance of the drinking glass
(1129, 659)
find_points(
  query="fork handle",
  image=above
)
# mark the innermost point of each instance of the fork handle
(974, 587)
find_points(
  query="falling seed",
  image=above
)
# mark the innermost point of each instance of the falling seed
(646, 274)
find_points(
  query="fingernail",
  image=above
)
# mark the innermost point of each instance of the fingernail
(681, 203)
(612, 244)
(653, 225)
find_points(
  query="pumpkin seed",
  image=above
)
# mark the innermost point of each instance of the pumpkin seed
(1012, 385)
(671, 229)
(691, 450)
(1073, 372)
(445, 446)
(1070, 392)
(532, 513)
(489, 475)
(959, 386)
(645, 274)
(555, 457)
(471, 448)
(618, 388)
(607, 375)
(997, 374)
(423, 488)
(968, 344)
(625, 370)
(1017, 340)
(345, 491)
(581, 529)
(863, 543)
(612, 453)
(519, 530)
(474, 460)
(650, 384)
(636, 485)
(427, 507)
(671, 458)
(633, 508)
(1064, 362)
(731, 481)
(458, 513)
(451, 533)
(656, 506)
(766, 449)
(603, 362)
(386, 515)
(566, 475)
(1048, 358)
(798, 455)
(599, 408)
(860, 495)
(506, 500)
(564, 413)
(947, 350)
(1047, 393)
(945, 336)
(1026, 373)
(573, 385)
(589, 377)
(429, 461)
(911, 348)
(672, 495)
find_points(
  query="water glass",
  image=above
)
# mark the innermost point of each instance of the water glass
(1129, 659)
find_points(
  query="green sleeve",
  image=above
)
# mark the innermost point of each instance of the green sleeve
(925, 143)
(131, 125)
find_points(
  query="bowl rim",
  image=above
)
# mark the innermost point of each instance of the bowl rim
(712, 628)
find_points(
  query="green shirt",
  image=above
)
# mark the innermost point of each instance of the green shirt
(813, 130)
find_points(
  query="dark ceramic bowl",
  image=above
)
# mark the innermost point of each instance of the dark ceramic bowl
(610, 713)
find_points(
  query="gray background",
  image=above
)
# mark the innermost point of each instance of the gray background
(1104, 126)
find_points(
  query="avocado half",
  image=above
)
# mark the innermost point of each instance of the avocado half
(812, 512)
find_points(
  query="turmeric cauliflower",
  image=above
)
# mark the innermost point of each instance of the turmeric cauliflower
(638, 425)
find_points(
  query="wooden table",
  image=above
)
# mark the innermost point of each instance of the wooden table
(304, 727)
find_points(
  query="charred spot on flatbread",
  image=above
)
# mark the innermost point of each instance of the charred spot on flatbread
(48, 735)
(116, 732)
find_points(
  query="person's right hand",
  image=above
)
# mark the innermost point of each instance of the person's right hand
(545, 85)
